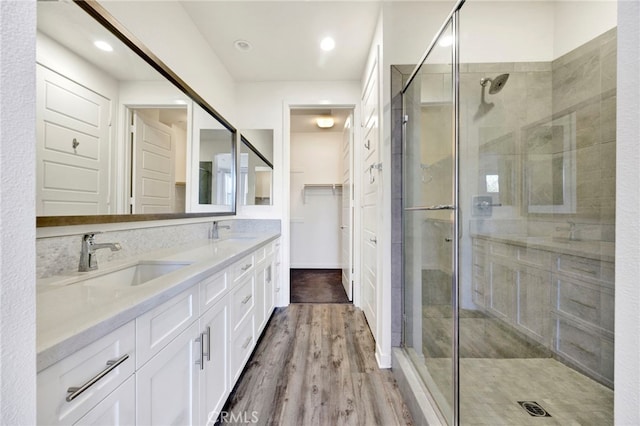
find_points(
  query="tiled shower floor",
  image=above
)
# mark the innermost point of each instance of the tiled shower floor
(491, 388)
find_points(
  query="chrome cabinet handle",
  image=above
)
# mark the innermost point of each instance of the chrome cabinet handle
(208, 334)
(448, 239)
(74, 392)
(436, 207)
(75, 143)
(245, 267)
(374, 240)
(368, 144)
(246, 299)
(200, 340)
(249, 339)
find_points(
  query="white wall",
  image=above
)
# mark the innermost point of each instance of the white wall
(316, 158)
(17, 213)
(627, 345)
(577, 22)
(166, 29)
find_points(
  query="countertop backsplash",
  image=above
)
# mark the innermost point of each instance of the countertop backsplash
(58, 255)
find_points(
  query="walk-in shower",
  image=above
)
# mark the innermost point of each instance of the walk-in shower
(508, 235)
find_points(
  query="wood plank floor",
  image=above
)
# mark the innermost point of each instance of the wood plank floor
(315, 365)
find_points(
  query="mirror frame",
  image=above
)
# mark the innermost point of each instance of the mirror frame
(104, 18)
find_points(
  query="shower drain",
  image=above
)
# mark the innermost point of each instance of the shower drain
(534, 409)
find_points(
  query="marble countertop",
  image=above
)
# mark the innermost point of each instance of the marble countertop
(71, 314)
(599, 250)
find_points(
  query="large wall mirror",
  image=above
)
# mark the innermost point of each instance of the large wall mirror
(119, 136)
(255, 178)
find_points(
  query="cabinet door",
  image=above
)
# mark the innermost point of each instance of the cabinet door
(259, 311)
(167, 385)
(534, 299)
(214, 382)
(119, 408)
(502, 280)
(268, 292)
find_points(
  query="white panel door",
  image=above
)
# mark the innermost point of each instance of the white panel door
(167, 385)
(346, 226)
(154, 166)
(370, 198)
(73, 138)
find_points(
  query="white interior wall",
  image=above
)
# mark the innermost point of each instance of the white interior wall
(627, 344)
(577, 22)
(17, 213)
(181, 47)
(316, 158)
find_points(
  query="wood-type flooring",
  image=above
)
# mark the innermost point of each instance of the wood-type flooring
(315, 365)
(317, 286)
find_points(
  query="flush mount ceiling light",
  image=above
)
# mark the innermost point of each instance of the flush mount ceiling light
(242, 45)
(327, 44)
(103, 45)
(325, 122)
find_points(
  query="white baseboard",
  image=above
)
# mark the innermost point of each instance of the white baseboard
(315, 266)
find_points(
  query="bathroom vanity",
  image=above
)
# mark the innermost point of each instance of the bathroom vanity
(158, 339)
(558, 293)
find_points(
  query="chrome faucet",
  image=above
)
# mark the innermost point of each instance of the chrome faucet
(572, 230)
(88, 258)
(214, 235)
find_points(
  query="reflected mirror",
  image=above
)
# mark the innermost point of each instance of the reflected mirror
(255, 179)
(113, 132)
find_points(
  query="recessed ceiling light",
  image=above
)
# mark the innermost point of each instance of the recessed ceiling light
(327, 44)
(242, 45)
(103, 45)
(325, 122)
(446, 41)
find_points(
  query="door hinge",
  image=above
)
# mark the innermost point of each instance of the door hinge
(405, 119)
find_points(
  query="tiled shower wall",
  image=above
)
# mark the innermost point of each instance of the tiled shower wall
(59, 255)
(583, 82)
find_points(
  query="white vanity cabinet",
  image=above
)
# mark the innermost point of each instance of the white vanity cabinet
(178, 362)
(562, 301)
(71, 388)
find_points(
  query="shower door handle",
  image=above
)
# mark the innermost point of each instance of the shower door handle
(431, 208)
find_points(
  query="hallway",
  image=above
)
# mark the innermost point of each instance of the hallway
(315, 365)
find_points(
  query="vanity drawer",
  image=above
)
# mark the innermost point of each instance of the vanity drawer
(533, 257)
(242, 344)
(500, 249)
(79, 369)
(588, 302)
(242, 301)
(243, 267)
(156, 328)
(580, 267)
(260, 254)
(212, 288)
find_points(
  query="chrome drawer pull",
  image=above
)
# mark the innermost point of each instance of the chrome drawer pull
(208, 334)
(244, 346)
(575, 345)
(245, 267)
(246, 299)
(582, 304)
(74, 392)
(588, 271)
(200, 341)
(436, 207)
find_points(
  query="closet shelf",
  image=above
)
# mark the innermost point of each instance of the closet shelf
(308, 186)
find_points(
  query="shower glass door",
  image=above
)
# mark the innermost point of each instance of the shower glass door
(428, 223)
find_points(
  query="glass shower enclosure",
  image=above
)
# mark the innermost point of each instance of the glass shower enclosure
(509, 214)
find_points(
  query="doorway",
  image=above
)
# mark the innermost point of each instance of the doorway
(321, 205)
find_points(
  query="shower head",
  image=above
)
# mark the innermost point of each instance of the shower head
(496, 84)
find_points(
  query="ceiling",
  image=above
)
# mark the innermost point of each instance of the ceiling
(285, 37)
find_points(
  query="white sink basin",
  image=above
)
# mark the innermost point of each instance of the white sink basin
(133, 275)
